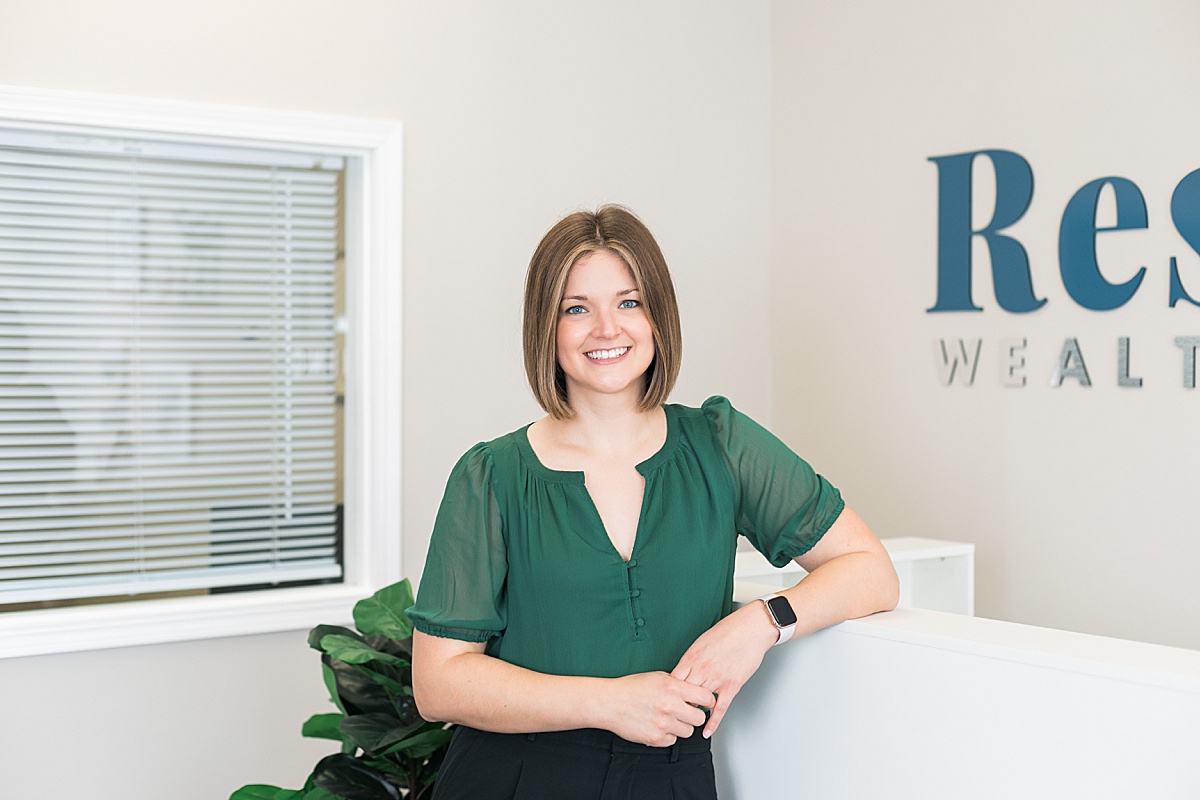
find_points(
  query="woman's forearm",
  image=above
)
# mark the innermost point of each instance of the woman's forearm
(846, 587)
(457, 682)
(483, 692)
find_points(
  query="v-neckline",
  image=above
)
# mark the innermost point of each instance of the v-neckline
(645, 468)
(637, 530)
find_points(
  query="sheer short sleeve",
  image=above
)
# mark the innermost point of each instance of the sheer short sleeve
(461, 594)
(783, 506)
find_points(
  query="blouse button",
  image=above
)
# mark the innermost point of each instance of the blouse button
(635, 593)
(640, 622)
(631, 563)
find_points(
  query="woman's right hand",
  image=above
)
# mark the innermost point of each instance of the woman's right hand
(655, 709)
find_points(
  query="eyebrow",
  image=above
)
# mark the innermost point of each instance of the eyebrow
(621, 293)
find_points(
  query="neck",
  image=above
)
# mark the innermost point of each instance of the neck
(608, 424)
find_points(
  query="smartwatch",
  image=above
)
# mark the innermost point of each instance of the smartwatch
(782, 615)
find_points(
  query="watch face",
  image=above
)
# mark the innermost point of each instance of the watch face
(781, 610)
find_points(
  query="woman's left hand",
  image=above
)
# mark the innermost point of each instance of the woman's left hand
(726, 655)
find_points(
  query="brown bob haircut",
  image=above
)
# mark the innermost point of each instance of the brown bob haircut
(617, 229)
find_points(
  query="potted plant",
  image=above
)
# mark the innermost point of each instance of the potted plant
(388, 751)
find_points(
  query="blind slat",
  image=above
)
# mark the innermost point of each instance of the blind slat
(156, 217)
(154, 228)
(153, 529)
(280, 197)
(13, 170)
(24, 554)
(18, 162)
(143, 565)
(144, 525)
(245, 482)
(181, 154)
(178, 581)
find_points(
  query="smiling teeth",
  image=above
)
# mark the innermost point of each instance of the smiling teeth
(601, 355)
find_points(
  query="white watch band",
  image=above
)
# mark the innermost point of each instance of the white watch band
(785, 632)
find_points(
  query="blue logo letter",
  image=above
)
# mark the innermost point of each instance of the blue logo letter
(1077, 244)
(1185, 211)
(1010, 264)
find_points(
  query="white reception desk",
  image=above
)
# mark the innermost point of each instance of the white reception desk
(930, 705)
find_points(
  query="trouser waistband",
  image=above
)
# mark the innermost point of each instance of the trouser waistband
(607, 740)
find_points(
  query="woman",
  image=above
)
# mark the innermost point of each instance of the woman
(575, 615)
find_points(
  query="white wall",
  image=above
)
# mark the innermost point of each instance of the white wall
(514, 113)
(191, 720)
(1082, 502)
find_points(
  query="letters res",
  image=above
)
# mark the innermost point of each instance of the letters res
(1077, 234)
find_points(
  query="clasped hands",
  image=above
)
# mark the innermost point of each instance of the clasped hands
(661, 708)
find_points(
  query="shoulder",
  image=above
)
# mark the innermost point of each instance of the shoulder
(483, 458)
(502, 446)
(714, 416)
(732, 432)
(715, 405)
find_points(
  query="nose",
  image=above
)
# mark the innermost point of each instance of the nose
(606, 325)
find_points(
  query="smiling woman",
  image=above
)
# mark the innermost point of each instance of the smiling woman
(575, 617)
(611, 231)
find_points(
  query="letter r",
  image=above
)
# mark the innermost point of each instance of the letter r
(1011, 278)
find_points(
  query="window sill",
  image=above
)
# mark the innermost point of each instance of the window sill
(64, 630)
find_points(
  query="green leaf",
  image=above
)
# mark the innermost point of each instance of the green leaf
(386, 644)
(374, 732)
(360, 689)
(331, 685)
(355, 651)
(324, 726)
(349, 778)
(321, 631)
(264, 792)
(261, 791)
(422, 744)
(383, 612)
(397, 688)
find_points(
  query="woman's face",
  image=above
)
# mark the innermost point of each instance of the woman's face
(604, 340)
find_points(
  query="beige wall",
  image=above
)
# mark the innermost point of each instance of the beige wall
(1082, 502)
(514, 113)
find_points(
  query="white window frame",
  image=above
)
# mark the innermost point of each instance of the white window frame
(372, 364)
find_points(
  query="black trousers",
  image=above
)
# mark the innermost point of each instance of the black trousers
(584, 764)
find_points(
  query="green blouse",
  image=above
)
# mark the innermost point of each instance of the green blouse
(519, 558)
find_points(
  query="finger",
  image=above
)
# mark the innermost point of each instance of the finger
(698, 695)
(718, 712)
(663, 740)
(714, 721)
(681, 671)
(693, 717)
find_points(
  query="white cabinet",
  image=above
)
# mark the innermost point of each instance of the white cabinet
(934, 574)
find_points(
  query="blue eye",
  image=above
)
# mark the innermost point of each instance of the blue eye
(574, 310)
(629, 304)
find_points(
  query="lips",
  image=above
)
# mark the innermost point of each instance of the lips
(606, 355)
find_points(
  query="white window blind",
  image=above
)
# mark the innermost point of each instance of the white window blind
(167, 367)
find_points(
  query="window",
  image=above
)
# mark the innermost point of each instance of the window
(181, 420)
